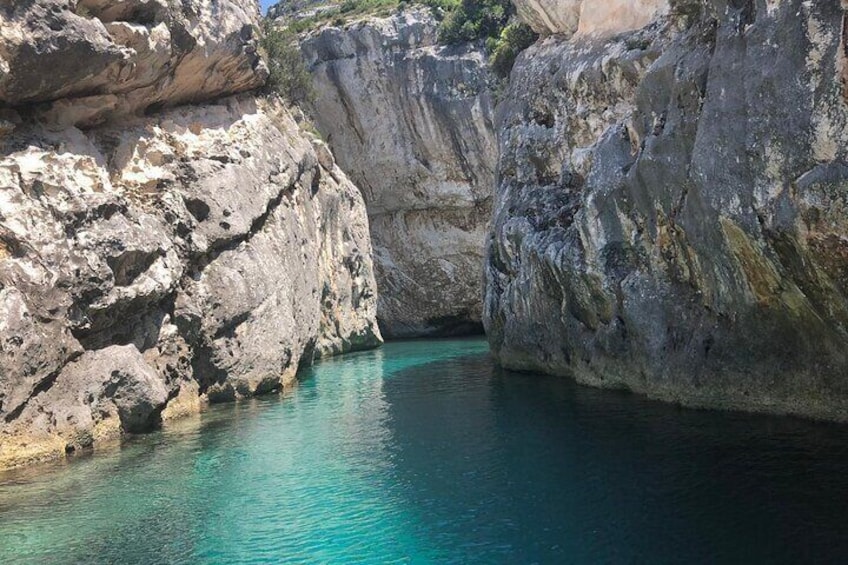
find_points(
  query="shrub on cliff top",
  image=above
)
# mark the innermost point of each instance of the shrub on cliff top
(288, 74)
(471, 20)
(489, 20)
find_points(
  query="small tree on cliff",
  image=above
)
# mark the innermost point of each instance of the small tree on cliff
(470, 20)
(288, 74)
(515, 38)
(489, 20)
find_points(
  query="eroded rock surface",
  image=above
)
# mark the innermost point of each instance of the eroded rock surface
(205, 252)
(411, 123)
(89, 61)
(670, 209)
(150, 264)
(589, 17)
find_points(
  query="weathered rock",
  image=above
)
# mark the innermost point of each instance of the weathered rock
(595, 17)
(411, 123)
(294, 10)
(201, 253)
(92, 399)
(550, 16)
(670, 210)
(90, 61)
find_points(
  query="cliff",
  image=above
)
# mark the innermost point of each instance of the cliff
(159, 261)
(412, 123)
(669, 216)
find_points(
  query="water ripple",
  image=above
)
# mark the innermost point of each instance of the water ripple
(425, 453)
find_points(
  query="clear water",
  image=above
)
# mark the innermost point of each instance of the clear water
(425, 453)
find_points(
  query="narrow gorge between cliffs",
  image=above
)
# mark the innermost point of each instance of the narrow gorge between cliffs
(423, 281)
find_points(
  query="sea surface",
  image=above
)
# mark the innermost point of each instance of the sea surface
(425, 452)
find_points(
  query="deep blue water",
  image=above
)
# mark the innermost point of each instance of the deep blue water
(425, 453)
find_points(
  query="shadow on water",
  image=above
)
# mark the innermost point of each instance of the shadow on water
(522, 468)
(424, 452)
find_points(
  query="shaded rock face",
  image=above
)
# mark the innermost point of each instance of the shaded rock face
(670, 210)
(89, 61)
(411, 123)
(153, 263)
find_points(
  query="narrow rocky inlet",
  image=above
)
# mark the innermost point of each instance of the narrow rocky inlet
(213, 213)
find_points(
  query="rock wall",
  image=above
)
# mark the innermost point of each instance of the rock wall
(589, 17)
(412, 124)
(151, 264)
(670, 215)
(85, 62)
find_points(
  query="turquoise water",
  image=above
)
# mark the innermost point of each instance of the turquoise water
(425, 453)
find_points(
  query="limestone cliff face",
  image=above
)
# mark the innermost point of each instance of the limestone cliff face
(411, 123)
(88, 61)
(147, 265)
(589, 17)
(670, 215)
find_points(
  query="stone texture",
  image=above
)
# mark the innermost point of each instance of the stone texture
(411, 123)
(294, 10)
(588, 17)
(550, 16)
(203, 253)
(151, 264)
(669, 215)
(86, 62)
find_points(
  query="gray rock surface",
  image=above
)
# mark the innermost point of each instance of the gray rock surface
(670, 213)
(204, 253)
(90, 61)
(293, 10)
(588, 17)
(411, 123)
(151, 264)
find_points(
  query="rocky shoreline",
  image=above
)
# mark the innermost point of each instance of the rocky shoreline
(655, 203)
(150, 264)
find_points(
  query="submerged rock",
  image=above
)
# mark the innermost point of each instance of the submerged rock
(411, 123)
(669, 215)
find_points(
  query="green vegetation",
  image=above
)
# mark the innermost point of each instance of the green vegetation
(344, 12)
(461, 21)
(513, 39)
(471, 20)
(441, 8)
(489, 20)
(288, 75)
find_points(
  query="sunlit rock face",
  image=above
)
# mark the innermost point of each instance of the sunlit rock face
(607, 17)
(412, 124)
(669, 216)
(90, 61)
(550, 16)
(211, 246)
(154, 263)
(597, 17)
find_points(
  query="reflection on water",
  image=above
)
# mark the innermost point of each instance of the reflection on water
(424, 452)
